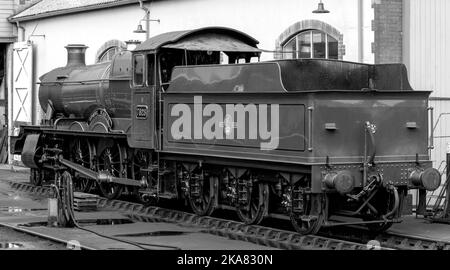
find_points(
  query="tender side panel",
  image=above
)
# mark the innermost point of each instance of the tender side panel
(338, 126)
(234, 126)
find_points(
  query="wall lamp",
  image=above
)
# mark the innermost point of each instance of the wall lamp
(147, 19)
(321, 9)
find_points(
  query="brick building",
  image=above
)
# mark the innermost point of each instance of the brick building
(387, 27)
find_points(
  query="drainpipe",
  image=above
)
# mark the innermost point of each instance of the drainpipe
(360, 31)
(20, 32)
(147, 19)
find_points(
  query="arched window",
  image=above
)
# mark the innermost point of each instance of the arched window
(107, 51)
(311, 44)
(310, 39)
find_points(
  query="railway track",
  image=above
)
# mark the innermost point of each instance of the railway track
(339, 238)
(388, 239)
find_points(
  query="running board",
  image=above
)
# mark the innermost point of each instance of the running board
(99, 176)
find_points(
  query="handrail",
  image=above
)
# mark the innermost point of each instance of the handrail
(310, 127)
(431, 110)
(439, 119)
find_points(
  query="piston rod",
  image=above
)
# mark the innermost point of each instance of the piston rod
(99, 176)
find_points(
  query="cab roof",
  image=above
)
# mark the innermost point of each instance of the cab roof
(207, 38)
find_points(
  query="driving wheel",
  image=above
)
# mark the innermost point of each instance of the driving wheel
(111, 161)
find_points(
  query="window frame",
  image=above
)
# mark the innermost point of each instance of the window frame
(144, 70)
(309, 32)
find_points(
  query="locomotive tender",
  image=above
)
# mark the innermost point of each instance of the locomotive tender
(302, 139)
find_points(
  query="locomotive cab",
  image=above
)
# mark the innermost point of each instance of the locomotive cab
(155, 59)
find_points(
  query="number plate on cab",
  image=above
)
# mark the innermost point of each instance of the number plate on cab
(141, 112)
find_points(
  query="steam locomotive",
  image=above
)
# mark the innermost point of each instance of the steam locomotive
(301, 140)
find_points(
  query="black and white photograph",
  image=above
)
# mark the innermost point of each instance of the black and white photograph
(224, 132)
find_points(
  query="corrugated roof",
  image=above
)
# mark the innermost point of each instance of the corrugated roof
(49, 8)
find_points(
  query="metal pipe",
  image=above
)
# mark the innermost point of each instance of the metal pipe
(396, 203)
(431, 146)
(374, 150)
(360, 31)
(22, 36)
(364, 183)
(369, 129)
(9, 91)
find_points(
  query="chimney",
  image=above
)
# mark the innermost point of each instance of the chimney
(76, 55)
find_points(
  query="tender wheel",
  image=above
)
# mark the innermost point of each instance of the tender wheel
(36, 177)
(82, 152)
(384, 205)
(255, 208)
(308, 211)
(111, 161)
(202, 193)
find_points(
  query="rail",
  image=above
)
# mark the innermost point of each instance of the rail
(338, 238)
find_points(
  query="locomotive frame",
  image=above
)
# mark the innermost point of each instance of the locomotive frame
(124, 143)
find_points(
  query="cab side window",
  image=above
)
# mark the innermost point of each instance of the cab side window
(138, 67)
(169, 60)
